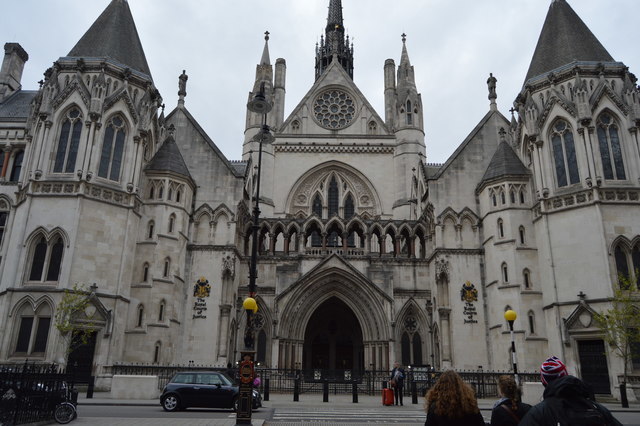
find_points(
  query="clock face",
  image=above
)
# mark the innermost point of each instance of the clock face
(334, 109)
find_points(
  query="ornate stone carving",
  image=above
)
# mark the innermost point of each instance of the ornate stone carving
(442, 269)
(229, 267)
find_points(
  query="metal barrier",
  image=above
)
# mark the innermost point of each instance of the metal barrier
(418, 380)
(30, 392)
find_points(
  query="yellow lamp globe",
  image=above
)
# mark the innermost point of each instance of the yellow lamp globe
(250, 304)
(510, 315)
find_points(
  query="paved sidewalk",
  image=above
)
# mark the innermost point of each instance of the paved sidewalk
(315, 400)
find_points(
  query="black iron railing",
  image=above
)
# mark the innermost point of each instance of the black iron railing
(30, 392)
(312, 381)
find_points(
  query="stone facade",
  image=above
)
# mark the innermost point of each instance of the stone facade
(366, 252)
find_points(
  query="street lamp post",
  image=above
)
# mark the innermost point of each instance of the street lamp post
(510, 316)
(259, 105)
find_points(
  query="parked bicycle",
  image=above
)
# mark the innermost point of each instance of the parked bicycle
(65, 410)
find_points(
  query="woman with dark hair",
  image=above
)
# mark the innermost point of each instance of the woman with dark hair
(508, 410)
(452, 402)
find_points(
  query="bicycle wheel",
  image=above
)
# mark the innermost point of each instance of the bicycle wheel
(64, 413)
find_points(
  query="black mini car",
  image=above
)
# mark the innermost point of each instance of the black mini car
(208, 389)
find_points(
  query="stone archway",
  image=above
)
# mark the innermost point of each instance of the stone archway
(333, 338)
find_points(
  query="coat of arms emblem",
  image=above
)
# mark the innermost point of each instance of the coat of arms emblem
(202, 288)
(469, 293)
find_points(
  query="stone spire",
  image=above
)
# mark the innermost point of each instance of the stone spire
(265, 53)
(406, 77)
(114, 36)
(564, 39)
(334, 44)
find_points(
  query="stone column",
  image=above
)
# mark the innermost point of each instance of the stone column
(223, 333)
(445, 326)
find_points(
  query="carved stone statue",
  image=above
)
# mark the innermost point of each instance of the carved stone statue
(491, 82)
(182, 84)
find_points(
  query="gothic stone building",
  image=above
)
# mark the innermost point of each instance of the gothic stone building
(367, 253)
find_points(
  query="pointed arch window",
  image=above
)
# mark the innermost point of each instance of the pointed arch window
(161, 308)
(317, 206)
(505, 273)
(372, 128)
(32, 330)
(46, 259)
(156, 352)
(610, 149)
(333, 193)
(68, 142)
(532, 322)
(500, 228)
(112, 149)
(628, 263)
(150, 229)
(18, 158)
(512, 196)
(409, 115)
(521, 233)
(494, 199)
(172, 223)
(140, 319)
(4, 215)
(526, 275)
(503, 199)
(167, 268)
(564, 154)
(145, 272)
(152, 192)
(349, 208)
(522, 199)
(417, 349)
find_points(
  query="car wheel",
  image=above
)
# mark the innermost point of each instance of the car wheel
(171, 402)
(236, 404)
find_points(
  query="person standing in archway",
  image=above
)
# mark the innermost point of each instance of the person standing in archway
(397, 381)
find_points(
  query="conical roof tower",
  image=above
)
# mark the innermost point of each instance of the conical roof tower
(564, 39)
(114, 36)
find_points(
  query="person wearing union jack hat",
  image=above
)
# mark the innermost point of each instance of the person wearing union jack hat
(566, 400)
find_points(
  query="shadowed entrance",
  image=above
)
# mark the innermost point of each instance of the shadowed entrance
(333, 338)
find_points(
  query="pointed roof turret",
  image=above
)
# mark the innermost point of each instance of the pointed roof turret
(404, 58)
(406, 77)
(265, 60)
(505, 162)
(564, 39)
(334, 44)
(114, 35)
(169, 159)
(334, 20)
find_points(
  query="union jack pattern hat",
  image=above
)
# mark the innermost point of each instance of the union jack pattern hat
(551, 369)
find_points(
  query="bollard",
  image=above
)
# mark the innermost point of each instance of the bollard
(325, 391)
(92, 382)
(296, 390)
(354, 391)
(414, 392)
(266, 389)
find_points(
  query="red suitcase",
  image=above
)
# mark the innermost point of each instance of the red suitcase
(387, 396)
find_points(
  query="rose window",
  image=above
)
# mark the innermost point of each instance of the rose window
(410, 324)
(334, 109)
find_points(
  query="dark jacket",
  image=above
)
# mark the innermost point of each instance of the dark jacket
(567, 387)
(467, 420)
(501, 417)
(400, 380)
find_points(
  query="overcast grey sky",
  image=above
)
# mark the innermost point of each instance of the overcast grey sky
(453, 45)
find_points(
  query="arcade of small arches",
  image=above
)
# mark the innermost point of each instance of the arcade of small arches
(353, 237)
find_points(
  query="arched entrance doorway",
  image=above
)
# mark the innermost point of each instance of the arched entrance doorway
(333, 338)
